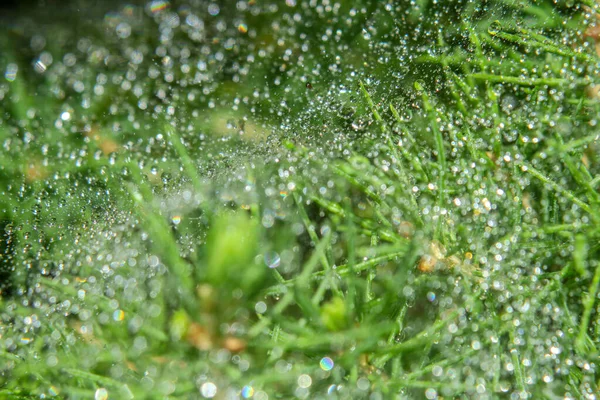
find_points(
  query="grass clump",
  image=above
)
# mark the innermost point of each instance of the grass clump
(267, 200)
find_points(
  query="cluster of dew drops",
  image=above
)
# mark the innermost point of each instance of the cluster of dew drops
(234, 80)
(193, 67)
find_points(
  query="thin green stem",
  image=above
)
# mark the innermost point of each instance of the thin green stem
(588, 304)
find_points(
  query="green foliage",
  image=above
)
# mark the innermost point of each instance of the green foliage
(231, 247)
(333, 314)
(360, 199)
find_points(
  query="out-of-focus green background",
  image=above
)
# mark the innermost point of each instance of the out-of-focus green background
(269, 199)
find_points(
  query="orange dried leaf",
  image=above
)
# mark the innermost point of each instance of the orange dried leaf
(35, 171)
(199, 337)
(233, 344)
